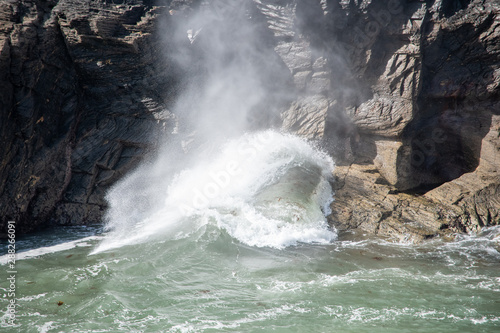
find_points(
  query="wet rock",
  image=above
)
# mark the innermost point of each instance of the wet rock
(364, 202)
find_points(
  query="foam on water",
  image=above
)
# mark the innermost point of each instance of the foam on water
(264, 189)
(211, 282)
(33, 253)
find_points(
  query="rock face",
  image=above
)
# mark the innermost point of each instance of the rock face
(405, 95)
(81, 99)
(410, 90)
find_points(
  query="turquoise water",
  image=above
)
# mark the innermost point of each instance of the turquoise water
(239, 243)
(211, 282)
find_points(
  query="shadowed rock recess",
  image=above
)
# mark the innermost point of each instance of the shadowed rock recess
(404, 93)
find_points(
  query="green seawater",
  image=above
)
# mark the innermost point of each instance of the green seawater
(254, 254)
(210, 282)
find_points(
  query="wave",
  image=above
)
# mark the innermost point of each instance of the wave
(264, 189)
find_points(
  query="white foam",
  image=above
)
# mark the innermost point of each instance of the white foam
(50, 249)
(264, 189)
(47, 327)
(32, 298)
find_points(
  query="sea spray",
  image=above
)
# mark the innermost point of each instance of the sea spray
(264, 189)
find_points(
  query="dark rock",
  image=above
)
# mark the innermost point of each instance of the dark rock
(412, 90)
(82, 82)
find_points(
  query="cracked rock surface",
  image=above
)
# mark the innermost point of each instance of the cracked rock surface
(82, 93)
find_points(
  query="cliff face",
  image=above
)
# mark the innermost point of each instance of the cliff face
(446, 157)
(409, 90)
(405, 93)
(81, 97)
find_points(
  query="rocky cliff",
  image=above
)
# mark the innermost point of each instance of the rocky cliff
(405, 95)
(81, 97)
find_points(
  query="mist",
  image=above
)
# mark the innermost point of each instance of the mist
(235, 81)
(233, 84)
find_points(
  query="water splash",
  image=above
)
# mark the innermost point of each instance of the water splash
(264, 189)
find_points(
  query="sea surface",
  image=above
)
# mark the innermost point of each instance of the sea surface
(240, 243)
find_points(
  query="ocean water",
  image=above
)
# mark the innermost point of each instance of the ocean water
(240, 243)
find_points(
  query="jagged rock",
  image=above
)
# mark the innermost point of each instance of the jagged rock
(307, 116)
(422, 91)
(364, 202)
(389, 154)
(395, 93)
(296, 55)
(72, 122)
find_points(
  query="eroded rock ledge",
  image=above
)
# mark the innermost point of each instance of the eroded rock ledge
(364, 201)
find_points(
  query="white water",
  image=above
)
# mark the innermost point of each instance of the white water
(210, 282)
(40, 251)
(264, 189)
